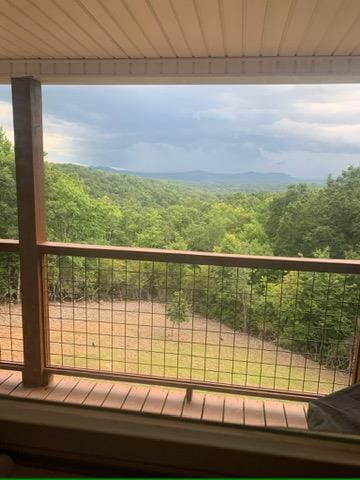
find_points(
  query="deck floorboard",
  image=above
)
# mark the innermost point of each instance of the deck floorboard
(234, 410)
(274, 414)
(10, 383)
(62, 389)
(41, 393)
(194, 409)
(213, 408)
(80, 392)
(142, 399)
(174, 403)
(117, 396)
(98, 394)
(254, 412)
(154, 402)
(136, 398)
(295, 416)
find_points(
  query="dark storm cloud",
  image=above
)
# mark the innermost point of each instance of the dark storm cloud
(307, 131)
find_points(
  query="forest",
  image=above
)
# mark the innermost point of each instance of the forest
(312, 314)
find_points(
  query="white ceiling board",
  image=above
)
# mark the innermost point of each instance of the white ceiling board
(166, 30)
(254, 11)
(324, 14)
(276, 17)
(165, 13)
(233, 27)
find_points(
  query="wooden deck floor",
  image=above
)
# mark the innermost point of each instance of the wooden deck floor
(230, 409)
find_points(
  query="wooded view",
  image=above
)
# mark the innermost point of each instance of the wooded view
(313, 315)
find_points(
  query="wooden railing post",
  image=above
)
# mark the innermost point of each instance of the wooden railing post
(27, 111)
(356, 356)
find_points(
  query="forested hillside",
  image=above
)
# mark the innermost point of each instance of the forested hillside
(221, 182)
(87, 205)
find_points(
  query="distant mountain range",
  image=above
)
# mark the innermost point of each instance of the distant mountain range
(247, 181)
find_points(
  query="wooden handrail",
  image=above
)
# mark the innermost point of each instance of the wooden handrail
(195, 258)
(201, 258)
(11, 246)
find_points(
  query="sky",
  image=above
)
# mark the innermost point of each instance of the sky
(307, 131)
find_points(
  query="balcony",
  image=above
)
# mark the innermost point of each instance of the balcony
(236, 359)
(140, 357)
(108, 313)
(108, 316)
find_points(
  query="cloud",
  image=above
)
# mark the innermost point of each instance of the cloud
(6, 119)
(63, 139)
(59, 138)
(328, 109)
(304, 130)
(236, 108)
(340, 134)
(312, 165)
(144, 156)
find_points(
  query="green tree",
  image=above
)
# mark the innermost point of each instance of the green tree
(8, 205)
(178, 309)
(306, 219)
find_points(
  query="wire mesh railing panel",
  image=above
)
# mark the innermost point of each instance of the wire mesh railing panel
(273, 329)
(11, 333)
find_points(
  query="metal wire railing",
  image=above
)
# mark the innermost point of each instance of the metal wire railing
(11, 333)
(269, 329)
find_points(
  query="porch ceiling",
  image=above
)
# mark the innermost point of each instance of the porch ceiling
(63, 40)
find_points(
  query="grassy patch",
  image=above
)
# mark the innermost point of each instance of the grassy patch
(136, 338)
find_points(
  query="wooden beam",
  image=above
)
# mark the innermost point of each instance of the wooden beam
(26, 97)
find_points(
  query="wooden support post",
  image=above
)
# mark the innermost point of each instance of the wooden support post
(189, 394)
(27, 110)
(356, 357)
